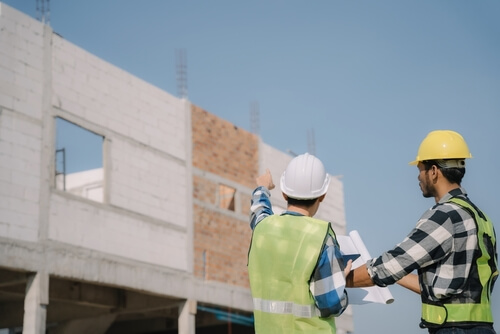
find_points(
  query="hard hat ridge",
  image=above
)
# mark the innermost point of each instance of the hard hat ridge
(305, 178)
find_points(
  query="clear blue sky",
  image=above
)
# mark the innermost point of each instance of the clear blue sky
(370, 78)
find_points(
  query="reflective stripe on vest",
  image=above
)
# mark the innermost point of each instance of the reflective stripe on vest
(279, 307)
(459, 313)
(487, 267)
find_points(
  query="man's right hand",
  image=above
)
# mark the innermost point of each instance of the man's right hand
(265, 180)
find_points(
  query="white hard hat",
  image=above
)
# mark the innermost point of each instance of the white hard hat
(305, 178)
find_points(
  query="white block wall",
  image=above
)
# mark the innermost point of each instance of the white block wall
(20, 124)
(21, 62)
(145, 215)
(105, 95)
(112, 232)
(148, 182)
(20, 140)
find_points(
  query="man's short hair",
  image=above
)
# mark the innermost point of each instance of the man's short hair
(452, 174)
(301, 202)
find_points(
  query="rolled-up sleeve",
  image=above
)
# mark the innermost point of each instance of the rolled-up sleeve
(328, 281)
(430, 241)
(260, 206)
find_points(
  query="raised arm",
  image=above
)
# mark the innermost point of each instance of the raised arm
(260, 206)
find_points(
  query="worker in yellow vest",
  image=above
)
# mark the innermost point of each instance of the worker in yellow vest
(296, 271)
(453, 246)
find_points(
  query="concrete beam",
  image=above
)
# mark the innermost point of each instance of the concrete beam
(96, 325)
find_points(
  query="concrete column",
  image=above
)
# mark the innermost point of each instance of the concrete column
(187, 317)
(35, 304)
(189, 183)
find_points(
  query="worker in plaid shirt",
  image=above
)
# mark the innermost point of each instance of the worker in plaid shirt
(453, 246)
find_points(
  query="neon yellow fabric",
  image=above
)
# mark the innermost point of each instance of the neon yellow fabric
(466, 313)
(454, 313)
(282, 258)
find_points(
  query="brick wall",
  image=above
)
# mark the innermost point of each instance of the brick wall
(222, 148)
(222, 154)
(221, 247)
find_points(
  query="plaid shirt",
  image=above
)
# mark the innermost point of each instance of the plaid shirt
(327, 282)
(441, 247)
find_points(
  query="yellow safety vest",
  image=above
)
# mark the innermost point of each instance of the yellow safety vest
(486, 266)
(282, 258)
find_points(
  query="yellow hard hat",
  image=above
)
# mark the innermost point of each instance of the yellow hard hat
(442, 144)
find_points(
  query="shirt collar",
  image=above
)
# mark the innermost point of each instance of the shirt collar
(291, 213)
(453, 193)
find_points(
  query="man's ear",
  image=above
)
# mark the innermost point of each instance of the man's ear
(322, 197)
(285, 196)
(435, 170)
(435, 173)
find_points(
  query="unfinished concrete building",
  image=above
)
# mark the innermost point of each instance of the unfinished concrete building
(155, 239)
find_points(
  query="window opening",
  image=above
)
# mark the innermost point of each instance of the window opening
(226, 197)
(78, 165)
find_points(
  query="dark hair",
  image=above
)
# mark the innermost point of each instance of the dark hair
(453, 175)
(302, 202)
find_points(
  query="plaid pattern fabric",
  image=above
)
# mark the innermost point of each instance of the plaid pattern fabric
(327, 282)
(441, 247)
(260, 207)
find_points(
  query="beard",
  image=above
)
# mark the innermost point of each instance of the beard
(427, 187)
